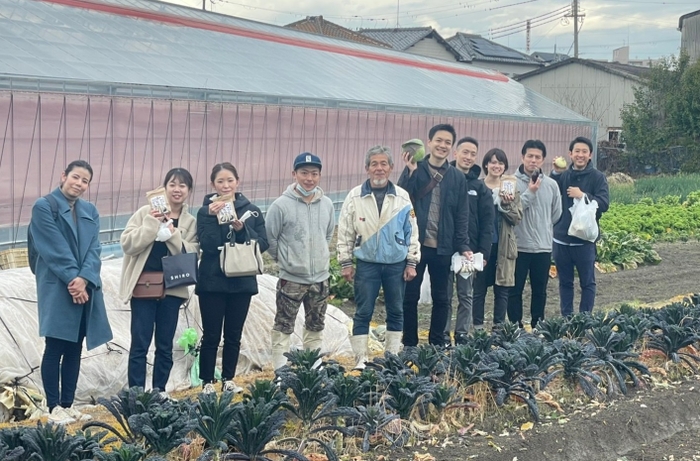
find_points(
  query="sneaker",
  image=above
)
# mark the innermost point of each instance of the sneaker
(76, 415)
(230, 386)
(209, 389)
(461, 338)
(165, 396)
(60, 416)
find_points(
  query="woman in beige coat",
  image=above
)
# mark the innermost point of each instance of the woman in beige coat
(500, 268)
(144, 247)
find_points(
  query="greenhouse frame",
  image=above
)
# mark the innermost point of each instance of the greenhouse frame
(136, 87)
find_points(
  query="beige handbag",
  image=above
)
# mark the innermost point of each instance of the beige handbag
(241, 259)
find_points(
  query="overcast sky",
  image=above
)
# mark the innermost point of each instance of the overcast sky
(649, 27)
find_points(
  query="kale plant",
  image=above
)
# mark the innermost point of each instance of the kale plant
(553, 328)
(371, 420)
(469, 368)
(127, 403)
(49, 442)
(617, 364)
(213, 418)
(164, 426)
(507, 333)
(671, 340)
(578, 364)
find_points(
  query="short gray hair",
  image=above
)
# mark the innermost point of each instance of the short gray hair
(379, 150)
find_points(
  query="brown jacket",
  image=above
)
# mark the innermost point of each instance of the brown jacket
(510, 216)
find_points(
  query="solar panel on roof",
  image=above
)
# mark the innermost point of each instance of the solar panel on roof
(494, 50)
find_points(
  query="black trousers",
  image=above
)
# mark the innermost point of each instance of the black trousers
(439, 267)
(482, 281)
(226, 311)
(61, 364)
(537, 266)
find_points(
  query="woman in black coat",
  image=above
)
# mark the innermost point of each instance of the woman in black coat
(224, 301)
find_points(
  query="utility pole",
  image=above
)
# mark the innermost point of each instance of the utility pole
(576, 15)
(397, 13)
(575, 28)
(527, 37)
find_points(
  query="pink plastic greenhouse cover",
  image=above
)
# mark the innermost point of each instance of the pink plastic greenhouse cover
(131, 143)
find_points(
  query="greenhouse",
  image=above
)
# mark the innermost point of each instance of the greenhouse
(137, 87)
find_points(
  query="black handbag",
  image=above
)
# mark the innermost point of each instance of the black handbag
(180, 270)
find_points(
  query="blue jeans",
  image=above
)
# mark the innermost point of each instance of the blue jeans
(583, 259)
(148, 315)
(61, 363)
(369, 277)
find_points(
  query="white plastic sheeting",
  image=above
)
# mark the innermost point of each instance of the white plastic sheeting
(104, 369)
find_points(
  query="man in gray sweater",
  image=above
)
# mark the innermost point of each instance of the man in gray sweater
(300, 225)
(541, 210)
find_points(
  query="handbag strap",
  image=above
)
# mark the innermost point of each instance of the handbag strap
(232, 235)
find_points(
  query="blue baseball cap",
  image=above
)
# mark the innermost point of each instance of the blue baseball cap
(307, 159)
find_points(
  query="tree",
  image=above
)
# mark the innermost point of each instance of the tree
(665, 115)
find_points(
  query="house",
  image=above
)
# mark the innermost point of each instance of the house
(423, 41)
(469, 49)
(597, 90)
(318, 25)
(689, 26)
(549, 58)
(484, 53)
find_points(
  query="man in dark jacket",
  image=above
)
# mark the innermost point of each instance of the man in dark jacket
(480, 213)
(580, 179)
(439, 195)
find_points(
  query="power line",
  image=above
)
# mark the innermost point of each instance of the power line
(498, 29)
(532, 26)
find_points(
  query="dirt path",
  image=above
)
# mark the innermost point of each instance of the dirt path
(651, 425)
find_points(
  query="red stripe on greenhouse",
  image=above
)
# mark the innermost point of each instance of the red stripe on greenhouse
(233, 30)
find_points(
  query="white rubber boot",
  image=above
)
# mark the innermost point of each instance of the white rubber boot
(312, 339)
(393, 341)
(359, 347)
(280, 345)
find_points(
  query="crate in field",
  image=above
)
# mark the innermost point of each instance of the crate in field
(14, 258)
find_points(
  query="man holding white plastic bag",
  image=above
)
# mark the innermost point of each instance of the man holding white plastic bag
(580, 181)
(480, 218)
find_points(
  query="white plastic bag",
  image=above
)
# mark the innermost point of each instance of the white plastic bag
(466, 267)
(583, 224)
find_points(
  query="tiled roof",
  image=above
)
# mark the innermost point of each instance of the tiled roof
(320, 26)
(476, 48)
(615, 68)
(549, 58)
(399, 39)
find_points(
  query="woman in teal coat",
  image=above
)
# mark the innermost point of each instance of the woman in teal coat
(65, 234)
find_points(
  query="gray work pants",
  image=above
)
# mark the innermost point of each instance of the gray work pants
(464, 309)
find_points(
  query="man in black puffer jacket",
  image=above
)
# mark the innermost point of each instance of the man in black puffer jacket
(580, 179)
(480, 229)
(439, 195)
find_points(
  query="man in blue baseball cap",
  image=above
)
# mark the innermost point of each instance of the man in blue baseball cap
(300, 225)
